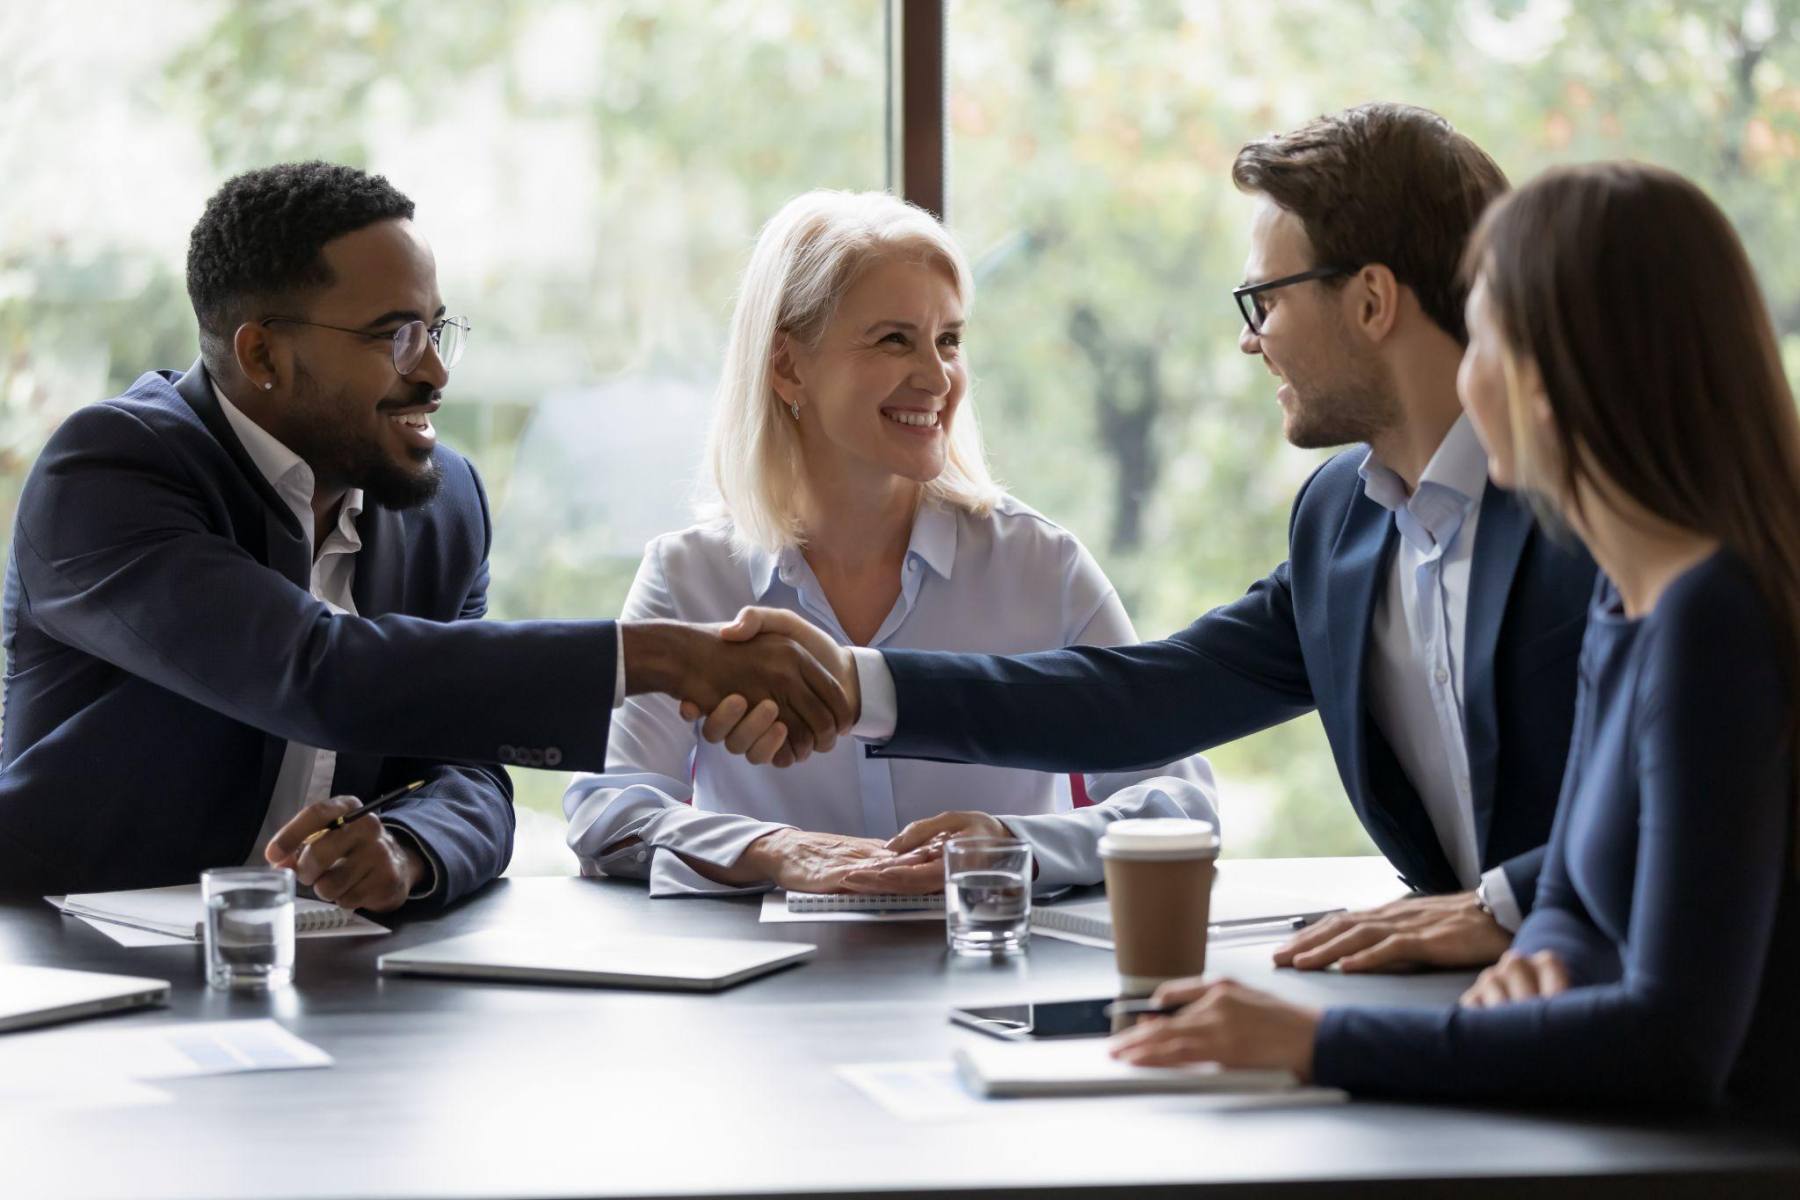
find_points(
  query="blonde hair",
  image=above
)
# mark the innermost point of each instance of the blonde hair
(806, 258)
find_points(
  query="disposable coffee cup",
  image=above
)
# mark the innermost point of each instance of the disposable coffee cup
(1159, 877)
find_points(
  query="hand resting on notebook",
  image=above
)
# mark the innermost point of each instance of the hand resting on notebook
(362, 865)
(802, 861)
(918, 867)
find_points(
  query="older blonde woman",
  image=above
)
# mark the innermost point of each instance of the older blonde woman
(853, 490)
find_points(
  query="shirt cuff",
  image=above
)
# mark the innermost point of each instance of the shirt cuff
(428, 886)
(619, 668)
(1496, 892)
(880, 707)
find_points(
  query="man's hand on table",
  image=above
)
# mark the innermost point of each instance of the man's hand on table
(362, 865)
(751, 726)
(772, 697)
(1417, 931)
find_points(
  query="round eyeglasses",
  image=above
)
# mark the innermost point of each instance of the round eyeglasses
(448, 334)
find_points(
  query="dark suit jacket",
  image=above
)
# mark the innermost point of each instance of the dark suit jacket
(1298, 641)
(162, 647)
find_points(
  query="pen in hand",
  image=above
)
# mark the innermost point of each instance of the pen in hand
(375, 805)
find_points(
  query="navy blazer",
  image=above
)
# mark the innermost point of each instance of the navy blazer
(1299, 641)
(163, 646)
(1669, 889)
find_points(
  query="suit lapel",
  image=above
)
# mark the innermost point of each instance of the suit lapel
(380, 583)
(379, 587)
(1359, 566)
(284, 545)
(1500, 538)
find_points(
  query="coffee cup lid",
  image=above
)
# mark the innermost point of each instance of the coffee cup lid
(1160, 836)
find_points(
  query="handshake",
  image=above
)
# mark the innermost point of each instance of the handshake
(772, 686)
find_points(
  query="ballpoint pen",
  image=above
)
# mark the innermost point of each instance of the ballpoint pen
(375, 805)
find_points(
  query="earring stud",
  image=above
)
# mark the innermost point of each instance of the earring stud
(795, 409)
(268, 387)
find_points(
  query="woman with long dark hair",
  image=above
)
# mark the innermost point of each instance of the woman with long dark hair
(1623, 371)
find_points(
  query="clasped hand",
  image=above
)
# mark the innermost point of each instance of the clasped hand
(766, 722)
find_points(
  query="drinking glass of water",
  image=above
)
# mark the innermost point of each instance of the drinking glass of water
(249, 927)
(987, 895)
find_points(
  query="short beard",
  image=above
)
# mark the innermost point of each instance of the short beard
(337, 456)
(1356, 406)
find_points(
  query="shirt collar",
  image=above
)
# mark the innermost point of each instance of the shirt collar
(934, 537)
(287, 472)
(1459, 466)
(933, 542)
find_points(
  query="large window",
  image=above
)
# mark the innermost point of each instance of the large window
(1091, 146)
(592, 172)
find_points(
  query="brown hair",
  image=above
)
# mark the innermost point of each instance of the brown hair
(1632, 294)
(1382, 183)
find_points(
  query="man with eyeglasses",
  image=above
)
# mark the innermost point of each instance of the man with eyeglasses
(244, 596)
(1430, 624)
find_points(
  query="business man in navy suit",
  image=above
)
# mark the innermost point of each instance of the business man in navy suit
(1432, 627)
(244, 596)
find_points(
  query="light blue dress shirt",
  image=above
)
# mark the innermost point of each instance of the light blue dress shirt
(1010, 582)
(1417, 637)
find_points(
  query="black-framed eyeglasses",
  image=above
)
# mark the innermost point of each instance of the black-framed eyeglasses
(1249, 296)
(448, 334)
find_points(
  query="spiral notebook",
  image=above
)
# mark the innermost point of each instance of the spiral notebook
(864, 902)
(180, 911)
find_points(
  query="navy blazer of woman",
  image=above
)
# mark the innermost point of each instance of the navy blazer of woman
(1668, 890)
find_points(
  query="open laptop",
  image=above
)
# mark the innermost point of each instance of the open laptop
(41, 995)
(675, 963)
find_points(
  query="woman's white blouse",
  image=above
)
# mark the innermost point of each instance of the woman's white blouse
(1008, 583)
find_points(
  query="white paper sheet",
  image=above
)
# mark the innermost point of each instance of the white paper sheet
(1064, 935)
(775, 912)
(933, 1091)
(156, 1051)
(915, 1091)
(133, 937)
(129, 936)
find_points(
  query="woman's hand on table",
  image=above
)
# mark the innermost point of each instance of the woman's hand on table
(1225, 1022)
(801, 861)
(918, 865)
(1518, 977)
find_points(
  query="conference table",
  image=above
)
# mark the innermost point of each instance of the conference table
(478, 1089)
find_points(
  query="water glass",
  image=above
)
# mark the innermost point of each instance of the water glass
(249, 927)
(987, 895)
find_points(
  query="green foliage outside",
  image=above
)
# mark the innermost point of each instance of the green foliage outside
(592, 176)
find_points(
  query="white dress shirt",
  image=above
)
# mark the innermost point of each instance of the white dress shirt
(306, 771)
(1417, 651)
(1416, 663)
(1010, 582)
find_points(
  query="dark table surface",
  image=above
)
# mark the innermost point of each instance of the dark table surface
(446, 1088)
